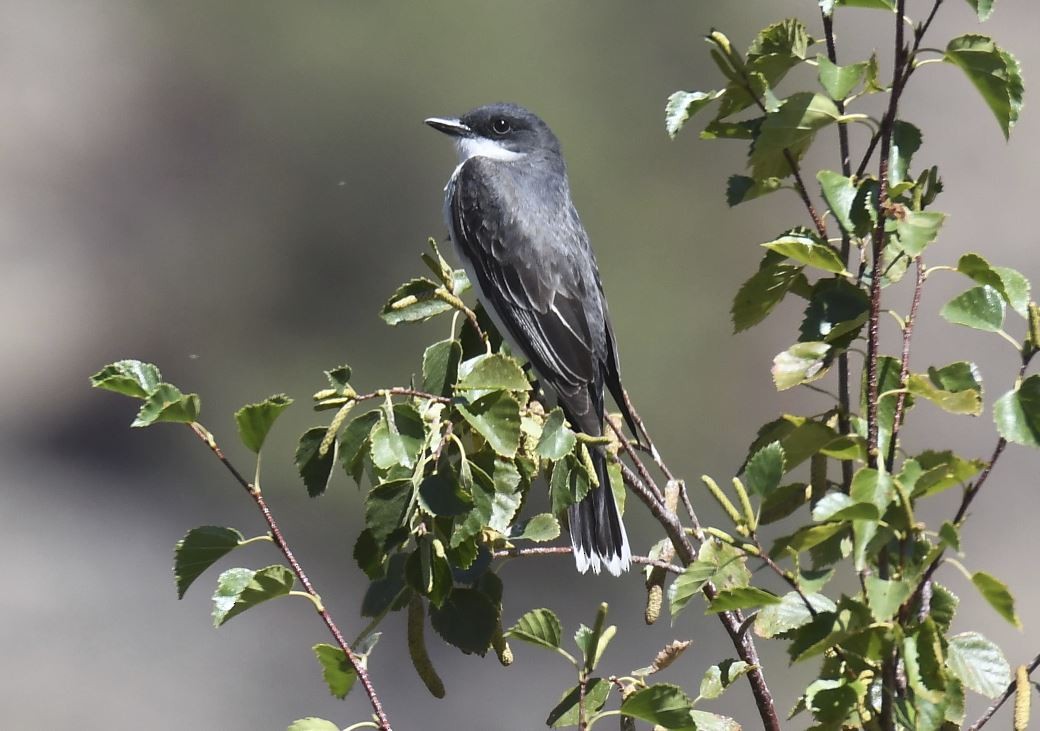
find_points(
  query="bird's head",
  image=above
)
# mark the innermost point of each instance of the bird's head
(498, 131)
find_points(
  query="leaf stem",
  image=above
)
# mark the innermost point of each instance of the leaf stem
(279, 540)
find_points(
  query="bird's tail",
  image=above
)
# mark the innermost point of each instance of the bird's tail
(597, 533)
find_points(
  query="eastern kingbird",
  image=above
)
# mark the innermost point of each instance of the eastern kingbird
(509, 212)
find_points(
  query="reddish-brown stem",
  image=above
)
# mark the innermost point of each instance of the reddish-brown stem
(904, 369)
(297, 569)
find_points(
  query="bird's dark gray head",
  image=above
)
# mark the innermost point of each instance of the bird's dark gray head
(499, 131)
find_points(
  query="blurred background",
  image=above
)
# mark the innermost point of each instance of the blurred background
(231, 190)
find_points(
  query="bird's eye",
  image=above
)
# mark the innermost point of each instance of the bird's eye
(500, 126)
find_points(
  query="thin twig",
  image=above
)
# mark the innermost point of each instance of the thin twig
(644, 474)
(904, 369)
(279, 540)
(401, 391)
(1008, 692)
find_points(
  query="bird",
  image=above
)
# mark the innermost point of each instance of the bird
(510, 217)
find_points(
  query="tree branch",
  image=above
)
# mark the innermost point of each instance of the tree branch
(279, 540)
(1008, 692)
(904, 369)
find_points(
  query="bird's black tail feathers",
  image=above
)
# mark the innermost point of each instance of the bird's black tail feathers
(597, 533)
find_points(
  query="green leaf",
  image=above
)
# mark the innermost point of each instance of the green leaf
(354, 443)
(496, 417)
(805, 538)
(806, 248)
(684, 104)
(494, 372)
(538, 627)
(541, 528)
(1011, 285)
(398, 437)
(167, 404)
(801, 363)
(984, 8)
(835, 314)
(198, 550)
(556, 440)
(730, 564)
(704, 721)
(1017, 413)
(662, 703)
(994, 72)
(792, 128)
(566, 713)
(386, 507)
(943, 470)
(956, 388)
(839, 81)
(742, 597)
(242, 589)
(916, 229)
(995, 592)
(783, 501)
(840, 193)
(414, 301)
(765, 468)
(688, 584)
(468, 619)
(981, 308)
(313, 724)
(335, 668)
(839, 506)
(787, 37)
(978, 663)
(440, 494)
(128, 377)
(757, 297)
(315, 469)
(741, 188)
(255, 420)
(790, 613)
(906, 140)
(884, 597)
(719, 677)
(388, 592)
(440, 367)
(877, 488)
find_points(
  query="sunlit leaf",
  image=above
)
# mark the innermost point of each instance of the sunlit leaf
(662, 703)
(978, 663)
(995, 592)
(494, 372)
(198, 550)
(1017, 413)
(336, 669)
(806, 248)
(539, 627)
(496, 417)
(684, 104)
(557, 440)
(255, 420)
(129, 377)
(994, 72)
(741, 597)
(801, 363)
(242, 589)
(757, 297)
(167, 404)
(791, 128)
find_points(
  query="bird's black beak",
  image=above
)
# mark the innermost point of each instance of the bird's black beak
(453, 127)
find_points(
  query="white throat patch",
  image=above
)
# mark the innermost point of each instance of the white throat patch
(482, 147)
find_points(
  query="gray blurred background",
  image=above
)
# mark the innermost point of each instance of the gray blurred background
(231, 190)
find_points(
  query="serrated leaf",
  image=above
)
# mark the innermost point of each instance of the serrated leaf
(741, 188)
(556, 440)
(839, 506)
(792, 128)
(839, 81)
(840, 193)
(981, 308)
(567, 713)
(312, 724)
(1017, 413)
(662, 703)
(1011, 285)
(688, 584)
(538, 627)
(806, 248)
(541, 528)
(801, 363)
(414, 301)
(721, 676)
(684, 104)
(129, 377)
(255, 420)
(805, 538)
(978, 663)
(167, 404)
(741, 597)
(398, 437)
(313, 467)
(198, 550)
(242, 589)
(995, 592)
(906, 140)
(757, 297)
(984, 8)
(354, 443)
(955, 388)
(790, 613)
(387, 592)
(336, 669)
(440, 367)
(994, 72)
(468, 619)
(705, 721)
(884, 597)
(835, 314)
(916, 229)
(496, 417)
(386, 507)
(765, 468)
(494, 372)
(440, 494)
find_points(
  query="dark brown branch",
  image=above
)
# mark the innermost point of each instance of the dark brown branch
(904, 369)
(297, 569)
(1008, 692)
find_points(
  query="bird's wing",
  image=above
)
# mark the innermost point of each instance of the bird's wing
(539, 286)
